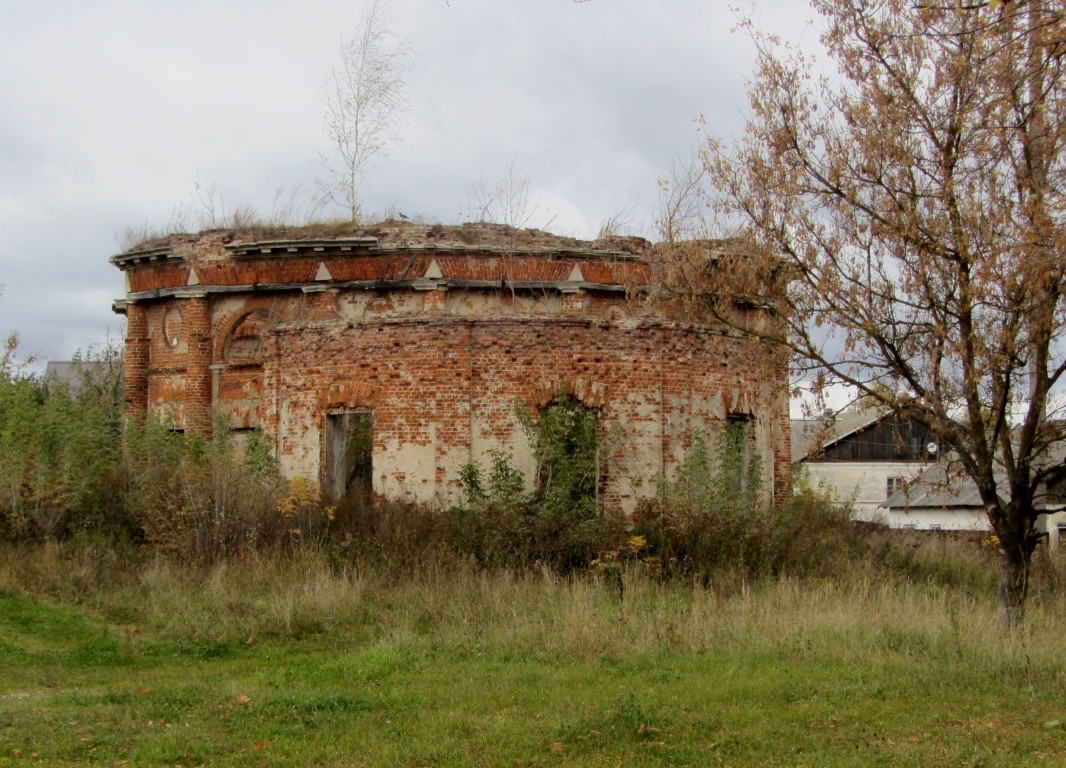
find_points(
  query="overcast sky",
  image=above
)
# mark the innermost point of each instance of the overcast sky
(113, 111)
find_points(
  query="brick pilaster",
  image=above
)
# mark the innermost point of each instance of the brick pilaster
(135, 386)
(196, 310)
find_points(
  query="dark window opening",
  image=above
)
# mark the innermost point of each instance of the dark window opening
(737, 451)
(567, 450)
(349, 455)
(242, 436)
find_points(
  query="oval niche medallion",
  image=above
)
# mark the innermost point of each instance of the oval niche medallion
(172, 326)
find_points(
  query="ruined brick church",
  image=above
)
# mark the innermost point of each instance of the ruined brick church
(424, 340)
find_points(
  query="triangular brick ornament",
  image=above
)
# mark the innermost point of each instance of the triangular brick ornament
(575, 275)
(194, 279)
(433, 271)
(323, 272)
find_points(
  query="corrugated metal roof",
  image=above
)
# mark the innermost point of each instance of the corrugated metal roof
(944, 486)
(938, 487)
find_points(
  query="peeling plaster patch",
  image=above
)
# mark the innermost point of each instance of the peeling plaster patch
(406, 471)
(352, 305)
(490, 438)
(637, 458)
(300, 446)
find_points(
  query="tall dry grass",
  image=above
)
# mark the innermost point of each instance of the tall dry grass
(867, 619)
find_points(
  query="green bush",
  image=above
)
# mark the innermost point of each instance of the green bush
(566, 448)
(206, 499)
(557, 523)
(60, 455)
(713, 516)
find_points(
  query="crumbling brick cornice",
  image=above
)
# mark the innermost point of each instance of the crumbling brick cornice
(135, 258)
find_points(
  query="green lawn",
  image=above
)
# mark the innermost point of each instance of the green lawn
(164, 668)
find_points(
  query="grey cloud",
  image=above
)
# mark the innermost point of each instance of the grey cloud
(113, 110)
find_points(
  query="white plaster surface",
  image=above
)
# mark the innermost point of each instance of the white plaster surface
(863, 483)
(949, 519)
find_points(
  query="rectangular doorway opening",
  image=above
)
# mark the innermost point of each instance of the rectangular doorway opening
(736, 451)
(350, 455)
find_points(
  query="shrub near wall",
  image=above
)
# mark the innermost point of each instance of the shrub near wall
(557, 523)
(713, 516)
(713, 521)
(68, 465)
(206, 500)
(60, 456)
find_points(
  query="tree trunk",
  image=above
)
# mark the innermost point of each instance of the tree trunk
(1014, 586)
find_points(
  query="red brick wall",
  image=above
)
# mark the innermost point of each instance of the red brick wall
(449, 386)
(442, 369)
(197, 315)
(136, 359)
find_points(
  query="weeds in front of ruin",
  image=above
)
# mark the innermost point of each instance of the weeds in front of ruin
(69, 469)
(116, 654)
(174, 601)
(556, 523)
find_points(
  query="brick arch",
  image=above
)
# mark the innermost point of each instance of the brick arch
(243, 342)
(230, 323)
(591, 394)
(348, 394)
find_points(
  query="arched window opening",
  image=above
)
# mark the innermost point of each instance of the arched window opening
(244, 344)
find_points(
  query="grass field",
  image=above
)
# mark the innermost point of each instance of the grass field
(109, 658)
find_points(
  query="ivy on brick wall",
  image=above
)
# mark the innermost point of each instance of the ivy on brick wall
(566, 445)
(558, 521)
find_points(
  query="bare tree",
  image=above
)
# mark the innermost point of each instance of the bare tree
(365, 101)
(623, 222)
(680, 210)
(914, 202)
(506, 201)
